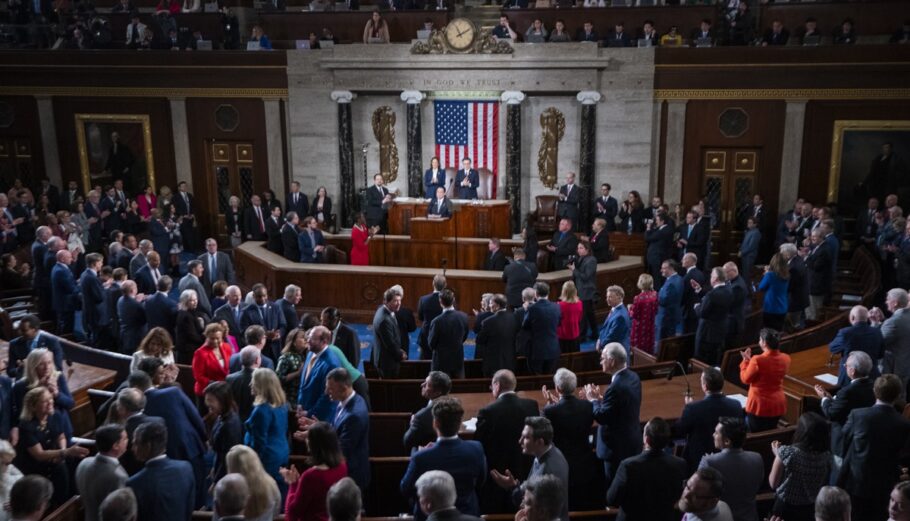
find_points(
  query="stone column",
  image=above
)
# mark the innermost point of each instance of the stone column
(415, 161)
(181, 142)
(587, 154)
(675, 146)
(273, 145)
(513, 99)
(346, 155)
(791, 158)
(49, 142)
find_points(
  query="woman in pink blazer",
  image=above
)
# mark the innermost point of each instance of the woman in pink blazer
(146, 202)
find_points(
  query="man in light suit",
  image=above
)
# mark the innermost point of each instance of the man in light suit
(699, 418)
(378, 199)
(420, 430)
(518, 275)
(712, 312)
(289, 238)
(617, 410)
(296, 201)
(319, 361)
(606, 207)
(434, 178)
(855, 394)
(95, 317)
(141, 258)
(436, 496)
(859, 336)
(311, 242)
(428, 308)
(65, 294)
(231, 312)
(193, 280)
(466, 181)
(160, 309)
(463, 460)
(448, 332)
(216, 265)
(541, 319)
(743, 470)
(165, 488)
(97, 476)
(896, 335)
(387, 353)
(440, 206)
(669, 302)
(265, 313)
(618, 325)
(569, 197)
(352, 423)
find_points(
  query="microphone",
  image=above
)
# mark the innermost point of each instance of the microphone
(683, 369)
(445, 262)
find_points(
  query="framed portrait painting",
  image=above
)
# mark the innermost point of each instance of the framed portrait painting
(115, 146)
(868, 159)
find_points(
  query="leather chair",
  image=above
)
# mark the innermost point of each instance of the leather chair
(484, 188)
(543, 218)
(334, 255)
(543, 260)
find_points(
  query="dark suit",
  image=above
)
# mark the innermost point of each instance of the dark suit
(860, 337)
(711, 332)
(615, 39)
(240, 389)
(448, 332)
(271, 318)
(6, 403)
(819, 264)
(697, 424)
(499, 426)
(161, 311)
(94, 308)
(41, 277)
(798, 289)
(496, 342)
(518, 275)
(289, 243)
(736, 316)
(145, 282)
(302, 206)
(428, 184)
(572, 419)
(290, 314)
(660, 244)
(550, 463)
(128, 460)
(566, 245)
(772, 38)
(308, 246)
(165, 489)
(495, 261)
(606, 208)
(568, 204)
(224, 270)
(470, 191)
(347, 340)
(133, 324)
(253, 229)
(441, 208)
(375, 213)
(619, 427)
(273, 234)
(451, 514)
(352, 423)
(647, 487)
(600, 246)
(541, 320)
(386, 353)
(428, 308)
(233, 319)
(582, 36)
(856, 394)
(690, 298)
(420, 429)
(463, 460)
(65, 296)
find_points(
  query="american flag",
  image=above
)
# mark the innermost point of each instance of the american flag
(468, 129)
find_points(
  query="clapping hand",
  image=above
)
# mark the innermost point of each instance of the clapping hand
(290, 474)
(746, 354)
(775, 447)
(506, 481)
(821, 392)
(592, 393)
(876, 316)
(549, 396)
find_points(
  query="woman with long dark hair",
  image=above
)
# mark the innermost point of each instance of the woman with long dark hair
(307, 492)
(226, 429)
(800, 470)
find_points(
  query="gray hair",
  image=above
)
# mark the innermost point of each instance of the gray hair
(692, 257)
(114, 248)
(130, 400)
(343, 501)
(119, 505)
(831, 504)
(861, 363)
(397, 289)
(145, 244)
(617, 352)
(898, 295)
(290, 290)
(249, 355)
(6, 449)
(565, 381)
(231, 494)
(438, 487)
(185, 297)
(860, 313)
(617, 290)
(232, 289)
(528, 295)
(788, 250)
(486, 298)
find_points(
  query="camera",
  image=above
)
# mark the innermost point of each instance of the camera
(572, 259)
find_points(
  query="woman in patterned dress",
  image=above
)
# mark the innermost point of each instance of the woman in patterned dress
(644, 311)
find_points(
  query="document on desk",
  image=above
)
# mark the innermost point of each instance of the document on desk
(470, 425)
(741, 398)
(828, 378)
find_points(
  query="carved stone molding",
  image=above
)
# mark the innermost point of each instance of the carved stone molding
(553, 128)
(342, 96)
(588, 97)
(412, 97)
(384, 131)
(512, 97)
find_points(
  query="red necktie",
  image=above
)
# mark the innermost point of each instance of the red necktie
(259, 216)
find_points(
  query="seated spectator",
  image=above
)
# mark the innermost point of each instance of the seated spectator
(264, 503)
(648, 33)
(191, 6)
(801, 469)
(595, 3)
(30, 498)
(902, 35)
(587, 33)
(9, 474)
(701, 497)
(230, 497)
(704, 34)
(328, 35)
(123, 6)
(536, 33)
(560, 34)
(39, 372)
(741, 26)
(745, 470)
(504, 29)
(809, 34)
(672, 38)
(259, 36)
(307, 492)
(376, 30)
(845, 35)
(13, 275)
(777, 34)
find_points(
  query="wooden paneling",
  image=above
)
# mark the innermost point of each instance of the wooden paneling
(25, 125)
(490, 219)
(347, 25)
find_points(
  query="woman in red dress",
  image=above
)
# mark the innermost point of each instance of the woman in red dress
(360, 241)
(570, 309)
(644, 311)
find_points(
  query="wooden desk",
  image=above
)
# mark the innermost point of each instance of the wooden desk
(426, 228)
(804, 365)
(483, 219)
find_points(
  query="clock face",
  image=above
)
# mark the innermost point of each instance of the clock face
(460, 34)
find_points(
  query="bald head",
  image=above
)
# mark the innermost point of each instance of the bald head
(859, 314)
(731, 270)
(64, 257)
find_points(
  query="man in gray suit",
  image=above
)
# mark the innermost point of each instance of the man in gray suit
(193, 280)
(216, 266)
(98, 476)
(537, 440)
(896, 334)
(743, 471)
(139, 260)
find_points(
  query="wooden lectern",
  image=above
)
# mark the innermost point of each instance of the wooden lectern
(425, 228)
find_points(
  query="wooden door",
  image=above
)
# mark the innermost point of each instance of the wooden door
(728, 182)
(16, 161)
(230, 171)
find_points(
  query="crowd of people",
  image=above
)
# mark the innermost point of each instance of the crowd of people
(267, 382)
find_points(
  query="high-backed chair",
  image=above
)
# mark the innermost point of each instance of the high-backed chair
(484, 189)
(543, 218)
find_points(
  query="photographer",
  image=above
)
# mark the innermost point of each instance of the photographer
(584, 273)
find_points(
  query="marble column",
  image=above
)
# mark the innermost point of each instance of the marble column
(346, 155)
(181, 143)
(49, 142)
(415, 161)
(587, 154)
(513, 99)
(273, 145)
(791, 158)
(675, 147)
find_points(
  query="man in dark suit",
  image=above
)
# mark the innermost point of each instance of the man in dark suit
(569, 196)
(254, 220)
(606, 207)
(587, 33)
(463, 460)
(290, 247)
(467, 180)
(496, 340)
(343, 337)
(693, 238)
(518, 275)
(112, 294)
(231, 312)
(874, 442)
(659, 240)
(855, 394)
(41, 278)
(703, 33)
(160, 309)
(496, 260)
(217, 266)
(420, 429)
(387, 353)
(690, 297)
(65, 294)
(617, 410)
(669, 301)
(777, 34)
(273, 231)
(239, 381)
(446, 339)
(68, 199)
(93, 214)
(377, 210)
(95, 318)
(131, 318)
(647, 486)
(31, 337)
(165, 488)
(130, 404)
(288, 306)
(436, 496)
(148, 275)
(740, 303)
(563, 244)
(859, 336)
(428, 308)
(797, 288)
(819, 262)
(712, 311)
(352, 423)
(6, 416)
(440, 206)
(185, 207)
(618, 37)
(265, 313)
(699, 418)
(499, 427)
(311, 241)
(296, 201)
(541, 319)
(111, 211)
(572, 418)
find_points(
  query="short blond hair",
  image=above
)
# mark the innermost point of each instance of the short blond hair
(569, 292)
(617, 290)
(645, 282)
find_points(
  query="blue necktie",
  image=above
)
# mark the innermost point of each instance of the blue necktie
(212, 265)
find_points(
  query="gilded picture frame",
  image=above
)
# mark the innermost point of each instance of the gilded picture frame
(856, 145)
(133, 161)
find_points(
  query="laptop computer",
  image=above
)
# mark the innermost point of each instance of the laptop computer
(644, 42)
(203, 45)
(252, 46)
(423, 34)
(326, 44)
(302, 44)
